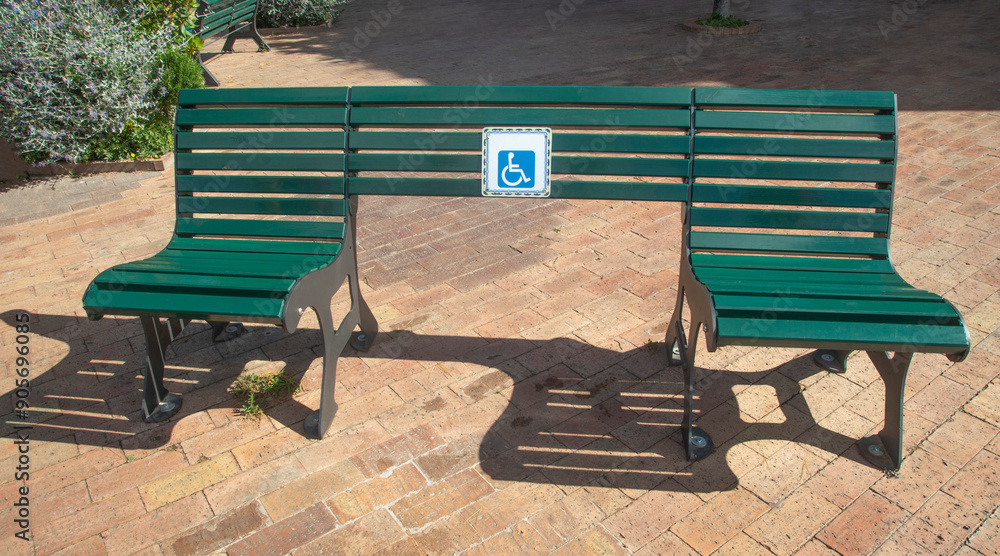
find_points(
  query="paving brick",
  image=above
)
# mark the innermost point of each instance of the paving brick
(189, 480)
(441, 499)
(792, 522)
(54, 535)
(217, 532)
(253, 484)
(132, 474)
(782, 473)
(942, 525)
(711, 525)
(374, 493)
(984, 537)
(522, 538)
(864, 525)
(667, 543)
(77, 469)
(283, 536)
(595, 541)
(367, 535)
(299, 494)
(266, 448)
(919, 477)
(451, 535)
(940, 399)
(396, 451)
(985, 405)
(977, 485)
(493, 513)
(651, 514)
(154, 526)
(844, 479)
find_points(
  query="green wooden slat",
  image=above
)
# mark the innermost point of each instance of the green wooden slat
(154, 281)
(273, 206)
(278, 95)
(211, 31)
(293, 263)
(222, 183)
(771, 243)
(260, 228)
(515, 116)
(279, 116)
(783, 146)
(254, 246)
(821, 290)
(452, 187)
(799, 196)
(827, 334)
(483, 95)
(782, 276)
(773, 170)
(360, 162)
(789, 219)
(632, 191)
(795, 122)
(778, 98)
(289, 162)
(700, 260)
(561, 141)
(859, 310)
(180, 305)
(313, 140)
(215, 19)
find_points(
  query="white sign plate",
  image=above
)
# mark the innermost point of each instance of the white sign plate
(517, 161)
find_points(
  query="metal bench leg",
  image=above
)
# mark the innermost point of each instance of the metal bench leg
(885, 450)
(202, 57)
(158, 404)
(696, 441)
(334, 341)
(363, 340)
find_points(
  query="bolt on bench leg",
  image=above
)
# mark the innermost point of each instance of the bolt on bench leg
(885, 450)
(157, 403)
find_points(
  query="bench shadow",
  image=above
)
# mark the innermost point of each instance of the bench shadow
(580, 414)
(90, 394)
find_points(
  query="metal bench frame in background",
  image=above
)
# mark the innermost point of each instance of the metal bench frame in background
(231, 19)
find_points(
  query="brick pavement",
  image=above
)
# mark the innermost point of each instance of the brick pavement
(515, 402)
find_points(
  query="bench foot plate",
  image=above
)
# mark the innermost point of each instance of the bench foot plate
(875, 452)
(170, 405)
(831, 360)
(699, 444)
(311, 425)
(361, 341)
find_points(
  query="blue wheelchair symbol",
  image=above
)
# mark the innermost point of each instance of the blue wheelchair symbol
(519, 170)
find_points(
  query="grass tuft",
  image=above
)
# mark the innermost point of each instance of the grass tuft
(718, 21)
(253, 390)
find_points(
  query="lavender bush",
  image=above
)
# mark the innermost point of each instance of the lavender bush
(295, 13)
(74, 72)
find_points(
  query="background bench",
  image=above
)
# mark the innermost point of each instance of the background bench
(786, 242)
(787, 193)
(229, 19)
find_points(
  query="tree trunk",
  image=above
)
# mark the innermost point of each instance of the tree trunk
(722, 8)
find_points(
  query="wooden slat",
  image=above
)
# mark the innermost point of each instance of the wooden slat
(223, 183)
(270, 205)
(486, 95)
(254, 246)
(840, 308)
(514, 116)
(286, 162)
(795, 122)
(822, 290)
(792, 196)
(828, 334)
(311, 140)
(789, 219)
(784, 147)
(277, 95)
(561, 141)
(181, 305)
(773, 170)
(260, 228)
(782, 98)
(277, 117)
(784, 276)
(817, 264)
(592, 165)
(169, 282)
(772, 243)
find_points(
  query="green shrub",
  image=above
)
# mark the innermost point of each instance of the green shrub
(295, 13)
(72, 72)
(151, 136)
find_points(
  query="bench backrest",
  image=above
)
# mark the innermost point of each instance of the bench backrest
(792, 172)
(224, 17)
(607, 142)
(254, 165)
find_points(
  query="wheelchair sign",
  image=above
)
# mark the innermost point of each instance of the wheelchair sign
(516, 162)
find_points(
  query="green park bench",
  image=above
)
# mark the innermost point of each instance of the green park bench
(229, 19)
(298, 159)
(786, 242)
